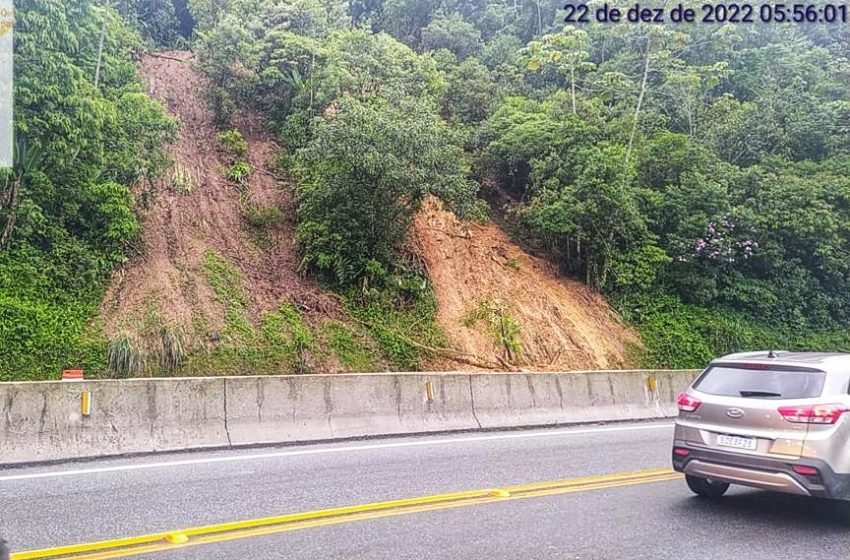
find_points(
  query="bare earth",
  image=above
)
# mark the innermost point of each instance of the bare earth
(564, 325)
(178, 229)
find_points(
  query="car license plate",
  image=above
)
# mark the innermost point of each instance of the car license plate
(737, 442)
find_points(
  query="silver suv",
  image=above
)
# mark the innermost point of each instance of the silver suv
(771, 420)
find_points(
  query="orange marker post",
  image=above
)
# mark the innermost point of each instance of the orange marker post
(73, 375)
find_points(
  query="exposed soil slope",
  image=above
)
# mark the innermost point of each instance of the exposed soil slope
(197, 212)
(180, 229)
(562, 325)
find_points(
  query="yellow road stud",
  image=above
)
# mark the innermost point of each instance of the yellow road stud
(177, 538)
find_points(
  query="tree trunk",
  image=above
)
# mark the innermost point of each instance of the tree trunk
(640, 97)
(312, 71)
(100, 46)
(9, 206)
(539, 19)
(573, 86)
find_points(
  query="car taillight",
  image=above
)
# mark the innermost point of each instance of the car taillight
(804, 470)
(687, 403)
(813, 414)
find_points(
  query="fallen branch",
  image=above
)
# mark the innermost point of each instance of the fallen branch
(174, 58)
(274, 176)
(448, 353)
(449, 234)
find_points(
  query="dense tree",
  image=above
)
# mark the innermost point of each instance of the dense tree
(668, 166)
(453, 33)
(70, 214)
(367, 168)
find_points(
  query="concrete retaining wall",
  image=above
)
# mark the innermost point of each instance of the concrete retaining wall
(44, 422)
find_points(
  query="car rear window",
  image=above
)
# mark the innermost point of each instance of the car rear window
(753, 381)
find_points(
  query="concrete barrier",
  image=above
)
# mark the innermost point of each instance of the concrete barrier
(315, 407)
(508, 400)
(44, 421)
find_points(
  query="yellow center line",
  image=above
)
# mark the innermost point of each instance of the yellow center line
(134, 546)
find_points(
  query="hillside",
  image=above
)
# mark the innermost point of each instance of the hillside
(196, 229)
(196, 223)
(251, 202)
(486, 286)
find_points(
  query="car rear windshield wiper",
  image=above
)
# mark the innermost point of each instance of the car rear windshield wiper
(759, 394)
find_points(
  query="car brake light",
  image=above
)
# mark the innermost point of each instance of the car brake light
(681, 452)
(755, 366)
(813, 414)
(804, 470)
(687, 403)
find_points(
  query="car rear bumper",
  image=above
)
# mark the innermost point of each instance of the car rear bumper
(762, 472)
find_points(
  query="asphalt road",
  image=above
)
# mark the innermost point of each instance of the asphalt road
(83, 502)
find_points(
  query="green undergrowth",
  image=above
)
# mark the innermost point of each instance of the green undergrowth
(39, 339)
(401, 329)
(503, 329)
(43, 327)
(353, 347)
(374, 333)
(676, 335)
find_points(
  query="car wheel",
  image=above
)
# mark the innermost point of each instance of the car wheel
(705, 487)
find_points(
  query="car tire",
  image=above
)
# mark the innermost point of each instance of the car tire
(706, 488)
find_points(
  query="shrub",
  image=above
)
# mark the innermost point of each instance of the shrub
(503, 328)
(239, 172)
(234, 143)
(676, 335)
(262, 217)
(182, 181)
(171, 352)
(125, 357)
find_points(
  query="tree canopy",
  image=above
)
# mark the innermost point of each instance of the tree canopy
(684, 170)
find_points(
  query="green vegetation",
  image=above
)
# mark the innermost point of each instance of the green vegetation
(66, 212)
(224, 279)
(262, 217)
(353, 350)
(182, 180)
(239, 173)
(503, 328)
(125, 357)
(698, 175)
(403, 330)
(234, 143)
(171, 351)
(280, 343)
(688, 336)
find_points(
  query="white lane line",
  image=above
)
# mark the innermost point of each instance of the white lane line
(327, 450)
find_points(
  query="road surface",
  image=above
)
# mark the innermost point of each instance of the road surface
(589, 492)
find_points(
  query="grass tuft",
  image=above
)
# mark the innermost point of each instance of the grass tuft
(125, 357)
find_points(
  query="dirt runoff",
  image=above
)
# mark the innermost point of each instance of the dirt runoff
(178, 229)
(562, 324)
